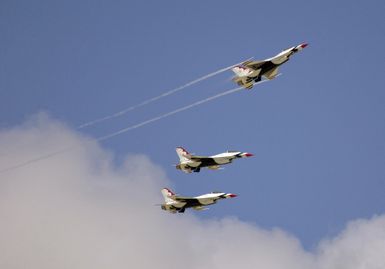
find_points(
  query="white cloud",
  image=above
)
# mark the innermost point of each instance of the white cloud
(360, 245)
(78, 210)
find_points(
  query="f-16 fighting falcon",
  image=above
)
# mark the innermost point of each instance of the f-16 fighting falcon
(174, 203)
(191, 163)
(250, 72)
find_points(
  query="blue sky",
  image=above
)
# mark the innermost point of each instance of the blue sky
(317, 131)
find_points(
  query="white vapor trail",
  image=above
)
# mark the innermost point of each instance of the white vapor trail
(169, 114)
(153, 99)
(124, 130)
(42, 157)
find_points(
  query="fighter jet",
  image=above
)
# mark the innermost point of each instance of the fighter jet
(250, 72)
(174, 203)
(191, 163)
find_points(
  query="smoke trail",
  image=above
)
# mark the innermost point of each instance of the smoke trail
(168, 114)
(42, 157)
(148, 101)
(173, 112)
(138, 125)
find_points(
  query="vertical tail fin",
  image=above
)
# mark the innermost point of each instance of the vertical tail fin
(167, 195)
(183, 154)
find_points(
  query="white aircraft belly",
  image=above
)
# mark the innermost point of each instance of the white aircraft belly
(225, 158)
(226, 154)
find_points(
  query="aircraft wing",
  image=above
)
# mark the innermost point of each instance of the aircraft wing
(272, 73)
(254, 64)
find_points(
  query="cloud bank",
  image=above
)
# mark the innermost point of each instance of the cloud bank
(79, 210)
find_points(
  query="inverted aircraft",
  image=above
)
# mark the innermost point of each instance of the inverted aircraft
(250, 72)
(192, 163)
(174, 203)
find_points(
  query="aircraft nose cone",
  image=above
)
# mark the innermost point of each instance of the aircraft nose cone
(249, 154)
(304, 45)
(232, 195)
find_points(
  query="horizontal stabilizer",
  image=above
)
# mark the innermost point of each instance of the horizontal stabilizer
(244, 82)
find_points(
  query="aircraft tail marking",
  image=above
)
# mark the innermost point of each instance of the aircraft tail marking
(167, 195)
(183, 154)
